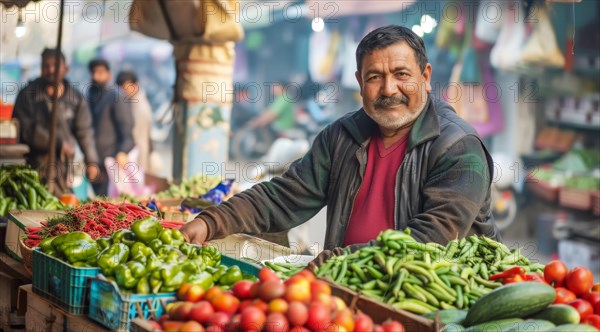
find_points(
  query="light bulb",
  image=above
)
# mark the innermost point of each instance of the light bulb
(20, 30)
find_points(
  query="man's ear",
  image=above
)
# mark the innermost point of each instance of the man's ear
(427, 77)
(360, 81)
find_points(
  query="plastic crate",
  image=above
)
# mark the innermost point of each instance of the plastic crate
(596, 203)
(543, 189)
(61, 283)
(116, 310)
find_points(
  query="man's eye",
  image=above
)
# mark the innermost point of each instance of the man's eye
(371, 78)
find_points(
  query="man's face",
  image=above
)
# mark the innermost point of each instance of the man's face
(100, 75)
(393, 88)
(49, 69)
(130, 88)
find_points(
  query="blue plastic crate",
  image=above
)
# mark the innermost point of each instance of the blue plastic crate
(116, 310)
(62, 283)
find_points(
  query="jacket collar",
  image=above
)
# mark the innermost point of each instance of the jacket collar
(427, 126)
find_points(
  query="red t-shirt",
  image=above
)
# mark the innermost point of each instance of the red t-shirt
(373, 209)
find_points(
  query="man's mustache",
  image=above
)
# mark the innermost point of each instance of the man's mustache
(387, 102)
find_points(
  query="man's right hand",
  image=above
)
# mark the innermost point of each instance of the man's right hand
(67, 151)
(195, 231)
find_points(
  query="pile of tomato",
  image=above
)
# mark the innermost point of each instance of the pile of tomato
(575, 288)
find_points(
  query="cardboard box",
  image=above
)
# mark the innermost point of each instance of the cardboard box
(240, 246)
(18, 221)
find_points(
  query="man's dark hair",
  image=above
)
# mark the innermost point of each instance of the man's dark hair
(388, 35)
(126, 75)
(96, 63)
(52, 52)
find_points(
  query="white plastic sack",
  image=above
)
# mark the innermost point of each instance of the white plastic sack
(506, 53)
(490, 15)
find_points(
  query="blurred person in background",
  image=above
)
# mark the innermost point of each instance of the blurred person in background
(74, 126)
(142, 116)
(113, 121)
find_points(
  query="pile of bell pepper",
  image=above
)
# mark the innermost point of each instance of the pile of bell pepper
(147, 258)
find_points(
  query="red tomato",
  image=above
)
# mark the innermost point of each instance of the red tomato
(555, 273)
(594, 299)
(583, 307)
(580, 280)
(253, 319)
(593, 320)
(241, 289)
(564, 296)
(267, 274)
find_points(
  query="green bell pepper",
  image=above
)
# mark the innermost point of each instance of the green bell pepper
(143, 286)
(81, 264)
(233, 275)
(140, 250)
(58, 241)
(46, 244)
(103, 242)
(219, 272)
(124, 277)
(137, 269)
(168, 289)
(155, 281)
(203, 279)
(177, 235)
(166, 235)
(168, 271)
(153, 263)
(113, 256)
(79, 251)
(186, 249)
(176, 280)
(123, 236)
(147, 229)
(155, 245)
(210, 255)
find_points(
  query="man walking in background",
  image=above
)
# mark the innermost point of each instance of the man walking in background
(74, 126)
(112, 118)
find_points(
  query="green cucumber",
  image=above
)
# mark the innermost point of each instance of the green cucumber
(559, 314)
(448, 316)
(574, 328)
(537, 325)
(495, 325)
(515, 300)
(452, 327)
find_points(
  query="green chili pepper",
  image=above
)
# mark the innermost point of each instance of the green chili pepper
(233, 275)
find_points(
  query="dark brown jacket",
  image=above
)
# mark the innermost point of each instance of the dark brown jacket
(442, 187)
(32, 109)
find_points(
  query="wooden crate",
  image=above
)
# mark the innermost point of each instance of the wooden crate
(596, 203)
(542, 189)
(43, 316)
(575, 198)
(18, 221)
(380, 312)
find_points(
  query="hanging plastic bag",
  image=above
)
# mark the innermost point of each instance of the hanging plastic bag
(506, 53)
(542, 48)
(470, 71)
(489, 20)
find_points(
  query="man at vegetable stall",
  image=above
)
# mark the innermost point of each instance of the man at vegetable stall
(74, 126)
(404, 160)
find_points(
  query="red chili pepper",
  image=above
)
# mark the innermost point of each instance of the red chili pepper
(510, 280)
(517, 270)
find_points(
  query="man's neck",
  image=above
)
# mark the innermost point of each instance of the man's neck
(389, 137)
